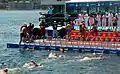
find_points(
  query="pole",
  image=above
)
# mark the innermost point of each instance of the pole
(65, 13)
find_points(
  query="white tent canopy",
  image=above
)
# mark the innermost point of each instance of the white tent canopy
(51, 28)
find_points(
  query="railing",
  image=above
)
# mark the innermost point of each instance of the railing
(59, 42)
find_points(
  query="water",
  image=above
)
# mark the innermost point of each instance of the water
(10, 22)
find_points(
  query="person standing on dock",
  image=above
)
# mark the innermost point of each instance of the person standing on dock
(42, 30)
(76, 21)
(55, 33)
(72, 25)
(81, 18)
(86, 17)
(68, 30)
(30, 31)
(82, 30)
(23, 33)
(115, 19)
(118, 15)
(110, 15)
(104, 20)
(91, 20)
(94, 30)
(98, 18)
(50, 10)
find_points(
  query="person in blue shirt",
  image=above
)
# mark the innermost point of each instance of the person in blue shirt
(50, 10)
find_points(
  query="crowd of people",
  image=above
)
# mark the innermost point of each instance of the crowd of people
(94, 21)
(101, 20)
(30, 33)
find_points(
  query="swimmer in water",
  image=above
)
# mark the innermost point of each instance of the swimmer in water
(93, 56)
(52, 55)
(6, 71)
(31, 65)
(98, 54)
(35, 64)
(55, 55)
(62, 49)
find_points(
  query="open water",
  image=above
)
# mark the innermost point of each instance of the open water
(71, 63)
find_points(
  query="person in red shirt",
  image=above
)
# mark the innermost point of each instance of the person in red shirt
(30, 31)
(94, 29)
(83, 30)
(72, 25)
(42, 31)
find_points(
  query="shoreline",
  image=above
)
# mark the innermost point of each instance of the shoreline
(23, 10)
(43, 11)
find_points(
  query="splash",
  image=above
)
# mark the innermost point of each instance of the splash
(52, 55)
(31, 66)
(55, 56)
(89, 58)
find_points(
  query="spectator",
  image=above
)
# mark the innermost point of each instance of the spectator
(55, 33)
(23, 33)
(115, 19)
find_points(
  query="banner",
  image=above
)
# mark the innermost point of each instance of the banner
(93, 4)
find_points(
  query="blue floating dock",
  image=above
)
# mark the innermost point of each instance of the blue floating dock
(68, 48)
